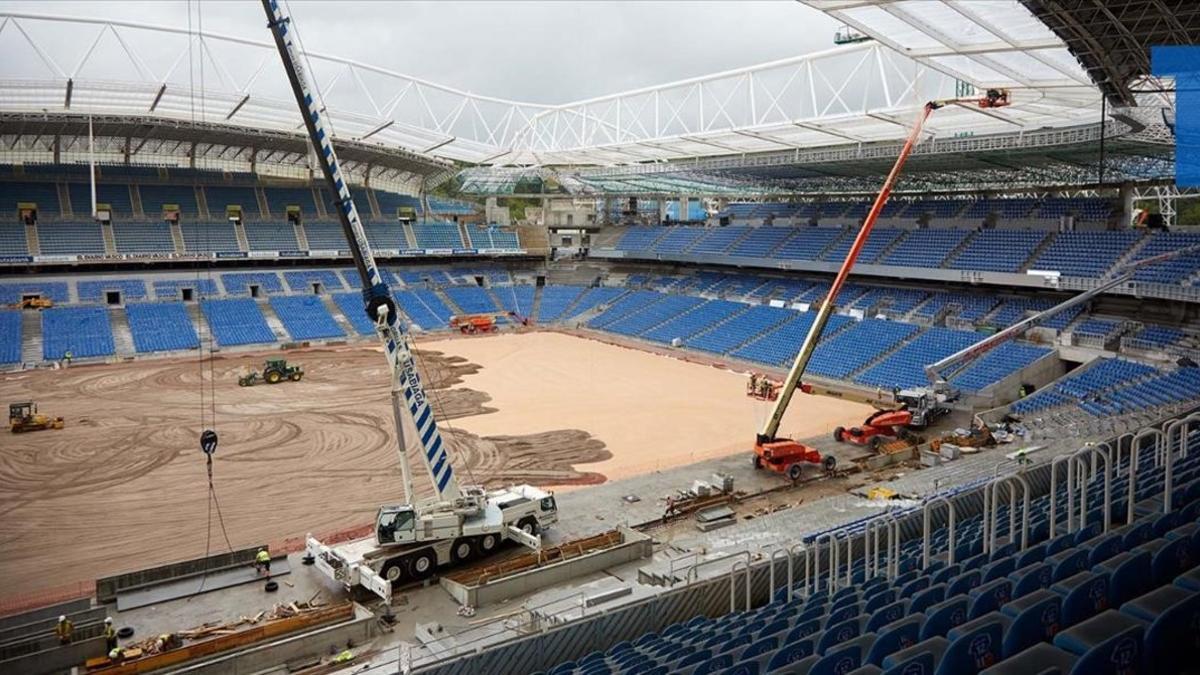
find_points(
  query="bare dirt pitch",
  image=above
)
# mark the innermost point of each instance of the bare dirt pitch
(124, 485)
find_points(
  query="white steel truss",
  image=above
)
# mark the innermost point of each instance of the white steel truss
(858, 93)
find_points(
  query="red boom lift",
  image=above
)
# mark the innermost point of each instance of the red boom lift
(786, 455)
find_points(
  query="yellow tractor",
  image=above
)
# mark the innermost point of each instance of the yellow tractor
(25, 417)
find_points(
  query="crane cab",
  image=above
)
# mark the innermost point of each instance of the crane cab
(395, 525)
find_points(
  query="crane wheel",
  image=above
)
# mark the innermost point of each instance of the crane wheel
(876, 441)
(794, 471)
(829, 463)
(529, 525)
(461, 550)
(394, 571)
(839, 434)
(421, 565)
(486, 544)
(757, 461)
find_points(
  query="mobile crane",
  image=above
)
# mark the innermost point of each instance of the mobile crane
(786, 455)
(460, 522)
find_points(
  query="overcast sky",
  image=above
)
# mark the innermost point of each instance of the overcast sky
(544, 52)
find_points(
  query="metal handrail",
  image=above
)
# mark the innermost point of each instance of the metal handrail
(733, 583)
(927, 517)
(1080, 455)
(993, 510)
(1054, 493)
(833, 558)
(1160, 440)
(771, 573)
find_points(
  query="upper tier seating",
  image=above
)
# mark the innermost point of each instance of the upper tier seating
(116, 196)
(807, 243)
(998, 250)
(83, 331)
(380, 236)
(10, 336)
(391, 202)
(761, 242)
(1085, 254)
(220, 197)
(924, 248)
(306, 318)
(678, 239)
(639, 238)
(446, 207)
(71, 238)
(156, 197)
(1174, 271)
(160, 326)
(494, 238)
(143, 237)
(12, 239)
(437, 235)
(271, 236)
(236, 321)
(279, 199)
(213, 237)
(879, 239)
(44, 195)
(1157, 336)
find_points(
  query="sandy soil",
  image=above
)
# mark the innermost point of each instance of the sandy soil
(124, 485)
(650, 411)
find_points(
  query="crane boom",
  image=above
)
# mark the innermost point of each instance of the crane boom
(771, 426)
(413, 417)
(936, 372)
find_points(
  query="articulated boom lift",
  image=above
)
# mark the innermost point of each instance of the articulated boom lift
(785, 455)
(460, 522)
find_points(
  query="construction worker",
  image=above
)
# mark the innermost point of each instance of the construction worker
(116, 655)
(166, 641)
(64, 630)
(345, 656)
(68, 356)
(1023, 459)
(262, 561)
(110, 634)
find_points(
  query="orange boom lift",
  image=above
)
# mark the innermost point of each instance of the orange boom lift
(786, 455)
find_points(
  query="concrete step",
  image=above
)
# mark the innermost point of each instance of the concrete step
(122, 335)
(273, 321)
(31, 336)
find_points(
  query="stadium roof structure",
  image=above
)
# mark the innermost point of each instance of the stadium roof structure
(848, 101)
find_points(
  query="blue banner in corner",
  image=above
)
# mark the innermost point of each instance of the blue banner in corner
(1183, 63)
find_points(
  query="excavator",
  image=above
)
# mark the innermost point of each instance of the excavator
(459, 522)
(788, 456)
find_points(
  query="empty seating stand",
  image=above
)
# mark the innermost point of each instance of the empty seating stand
(998, 250)
(1016, 600)
(160, 326)
(10, 336)
(83, 331)
(555, 301)
(143, 237)
(236, 321)
(434, 235)
(305, 317)
(71, 238)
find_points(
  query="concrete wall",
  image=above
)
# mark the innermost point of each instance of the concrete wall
(56, 659)
(634, 546)
(294, 648)
(108, 587)
(46, 625)
(1039, 373)
(48, 612)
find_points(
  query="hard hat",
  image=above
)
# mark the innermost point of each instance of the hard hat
(108, 619)
(62, 617)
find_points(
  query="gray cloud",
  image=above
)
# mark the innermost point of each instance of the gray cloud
(544, 52)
